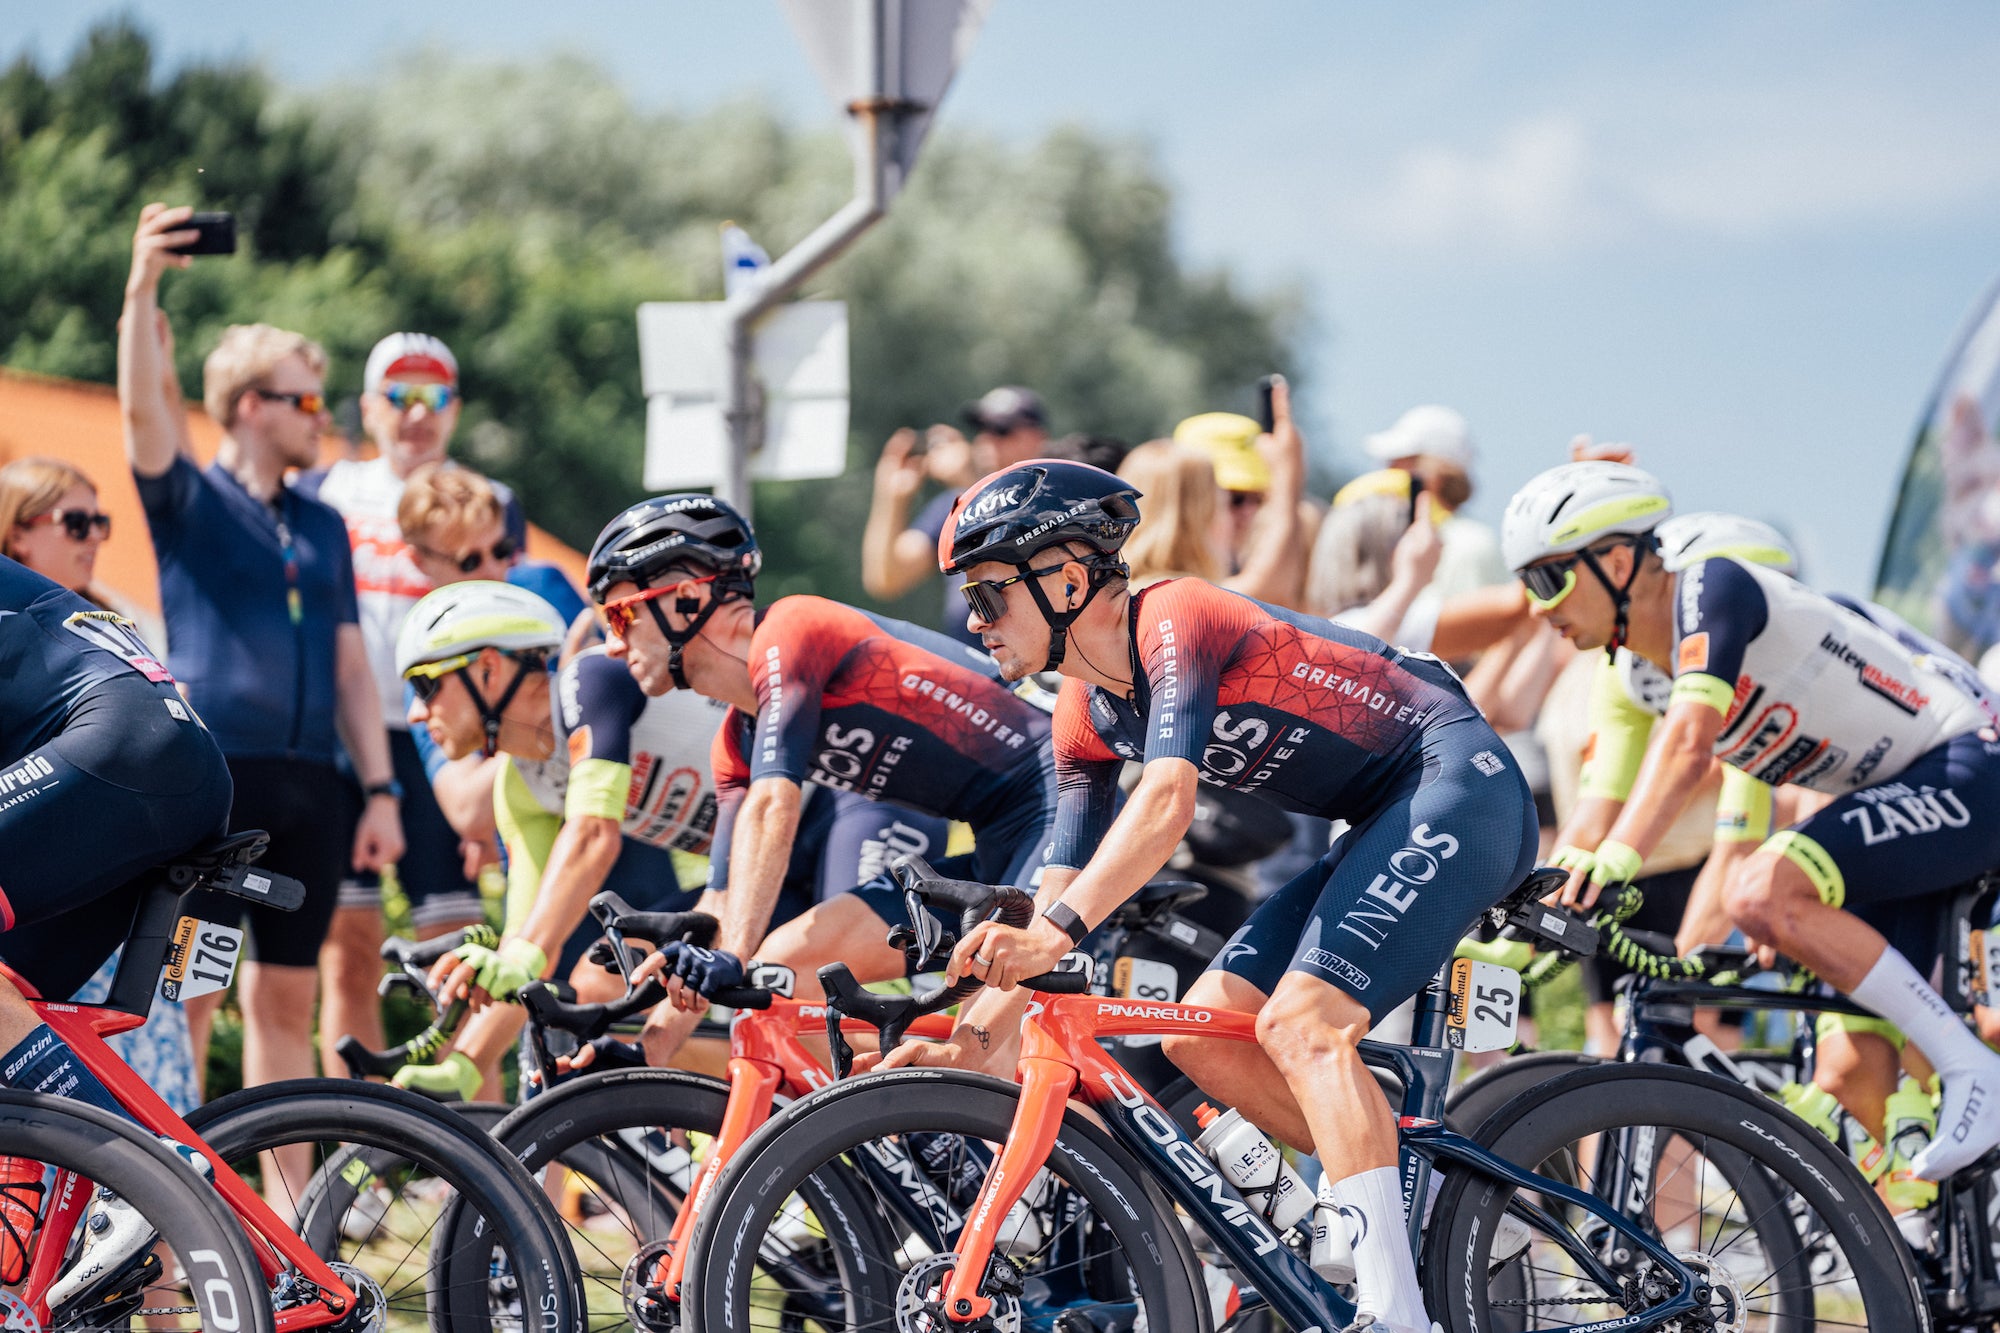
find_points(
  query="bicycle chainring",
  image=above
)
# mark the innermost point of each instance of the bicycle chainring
(920, 1302)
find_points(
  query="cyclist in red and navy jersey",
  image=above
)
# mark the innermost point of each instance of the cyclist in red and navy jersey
(825, 694)
(1204, 685)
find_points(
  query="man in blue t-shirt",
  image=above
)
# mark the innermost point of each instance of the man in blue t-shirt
(257, 587)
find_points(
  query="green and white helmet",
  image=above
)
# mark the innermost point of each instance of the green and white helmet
(1689, 539)
(1576, 505)
(446, 630)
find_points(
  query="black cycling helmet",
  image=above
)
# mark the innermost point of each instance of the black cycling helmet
(671, 533)
(1019, 512)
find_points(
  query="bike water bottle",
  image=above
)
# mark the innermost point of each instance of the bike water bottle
(1821, 1109)
(1909, 1120)
(1253, 1165)
(20, 1208)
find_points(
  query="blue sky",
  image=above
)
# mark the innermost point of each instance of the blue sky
(1740, 237)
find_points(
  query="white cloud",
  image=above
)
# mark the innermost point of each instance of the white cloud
(1679, 159)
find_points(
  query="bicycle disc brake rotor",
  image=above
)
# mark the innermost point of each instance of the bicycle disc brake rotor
(646, 1304)
(1724, 1311)
(920, 1302)
(371, 1309)
(15, 1316)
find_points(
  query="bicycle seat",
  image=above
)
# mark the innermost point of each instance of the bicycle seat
(1167, 895)
(236, 849)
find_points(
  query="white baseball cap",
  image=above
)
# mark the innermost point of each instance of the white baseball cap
(409, 354)
(1437, 431)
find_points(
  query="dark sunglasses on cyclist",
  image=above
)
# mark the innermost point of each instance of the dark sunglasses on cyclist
(427, 678)
(988, 597)
(437, 397)
(619, 615)
(1550, 583)
(312, 404)
(503, 551)
(78, 523)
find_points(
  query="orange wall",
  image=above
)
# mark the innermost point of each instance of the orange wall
(78, 423)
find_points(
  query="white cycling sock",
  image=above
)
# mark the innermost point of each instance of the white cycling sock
(1386, 1275)
(1969, 1120)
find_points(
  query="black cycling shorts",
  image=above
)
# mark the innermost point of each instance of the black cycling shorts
(310, 809)
(1388, 903)
(132, 780)
(1934, 825)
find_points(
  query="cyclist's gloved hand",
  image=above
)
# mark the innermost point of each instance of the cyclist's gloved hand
(456, 1076)
(1614, 864)
(1573, 858)
(709, 970)
(502, 972)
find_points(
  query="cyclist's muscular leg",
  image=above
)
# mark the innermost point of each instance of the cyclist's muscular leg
(1776, 902)
(1313, 1030)
(1235, 1072)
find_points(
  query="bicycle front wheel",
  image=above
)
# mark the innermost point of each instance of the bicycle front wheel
(1780, 1231)
(1094, 1245)
(222, 1288)
(378, 1189)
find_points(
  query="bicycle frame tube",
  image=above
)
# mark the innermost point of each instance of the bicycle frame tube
(72, 1195)
(275, 1243)
(765, 1058)
(1060, 1057)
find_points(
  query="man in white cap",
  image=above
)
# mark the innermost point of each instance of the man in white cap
(409, 407)
(1435, 444)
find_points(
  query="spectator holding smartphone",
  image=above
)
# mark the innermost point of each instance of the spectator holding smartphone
(1010, 425)
(257, 585)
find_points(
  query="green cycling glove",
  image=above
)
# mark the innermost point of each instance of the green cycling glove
(502, 972)
(455, 1076)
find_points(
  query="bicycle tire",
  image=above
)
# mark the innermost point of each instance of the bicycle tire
(1700, 1109)
(820, 1131)
(197, 1225)
(513, 1214)
(585, 1126)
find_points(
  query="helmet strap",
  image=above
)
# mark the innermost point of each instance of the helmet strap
(490, 714)
(1101, 572)
(720, 595)
(1621, 593)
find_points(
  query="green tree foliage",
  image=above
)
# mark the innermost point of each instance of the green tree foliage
(521, 212)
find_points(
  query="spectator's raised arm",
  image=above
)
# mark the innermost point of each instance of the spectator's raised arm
(151, 414)
(894, 556)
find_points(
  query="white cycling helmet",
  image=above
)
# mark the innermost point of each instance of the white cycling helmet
(1688, 539)
(1576, 505)
(446, 631)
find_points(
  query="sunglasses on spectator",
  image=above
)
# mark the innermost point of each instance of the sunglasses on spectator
(620, 614)
(76, 522)
(1245, 499)
(437, 397)
(312, 404)
(503, 551)
(988, 597)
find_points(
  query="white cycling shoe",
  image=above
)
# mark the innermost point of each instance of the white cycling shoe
(114, 1235)
(1368, 1323)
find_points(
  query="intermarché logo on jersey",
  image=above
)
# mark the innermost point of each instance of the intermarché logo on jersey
(1894, 809)
(1395, 892)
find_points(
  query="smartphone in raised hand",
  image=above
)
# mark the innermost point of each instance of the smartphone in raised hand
(1266, 415)
(218, 234)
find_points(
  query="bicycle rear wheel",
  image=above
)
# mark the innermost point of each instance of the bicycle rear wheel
(223, 1289)
(389, 1174)
(1780, 1227)
(1096, 1246)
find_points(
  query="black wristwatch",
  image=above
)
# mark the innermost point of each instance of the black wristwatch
(391, 789)
(1067, 921)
